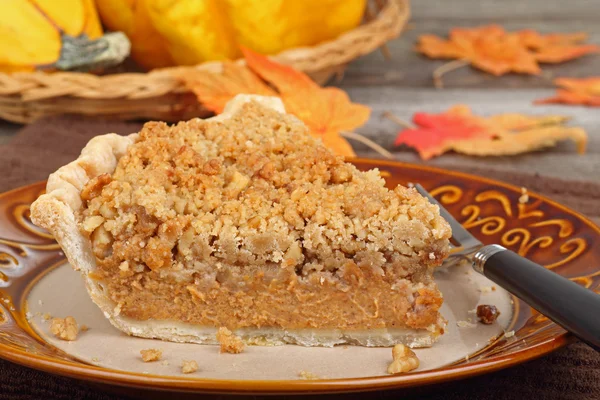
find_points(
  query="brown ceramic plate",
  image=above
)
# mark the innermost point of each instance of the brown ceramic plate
(35, 279)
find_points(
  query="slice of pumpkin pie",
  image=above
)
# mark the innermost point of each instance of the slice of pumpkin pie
(245, 221)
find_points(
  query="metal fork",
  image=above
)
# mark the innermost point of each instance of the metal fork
(571, 306)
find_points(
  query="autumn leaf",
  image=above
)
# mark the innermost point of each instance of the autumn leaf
(584, 91)
(285, 78)
(458, 129)
(488, 48)
(535, 40)
(437, 133)
(216, 90)
(492, 49)
(326, 111)
(556, 47)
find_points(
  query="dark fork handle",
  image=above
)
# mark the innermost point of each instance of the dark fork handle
(571, 306)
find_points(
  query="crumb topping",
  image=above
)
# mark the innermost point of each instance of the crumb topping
(229, 342)
(64, 328)
(150, 355)
(188, 367)
(205, 206)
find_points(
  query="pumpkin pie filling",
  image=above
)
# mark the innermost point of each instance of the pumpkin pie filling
(251, 224)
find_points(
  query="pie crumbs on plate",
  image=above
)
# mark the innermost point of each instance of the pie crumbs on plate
(64, 328)
(246, 221)
(309, 376)
(229, 342)
(150, 355)
(188, 367)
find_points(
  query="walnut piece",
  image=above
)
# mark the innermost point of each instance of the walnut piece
(487, 314)
(187, 367)
(94, 187)
(212, 167)
(150, 355)
(90, 224)
(229, 342)
(405, 360)
(64, 328)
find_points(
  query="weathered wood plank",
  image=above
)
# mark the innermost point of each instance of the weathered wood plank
(561, 161)
(407, 68)
(526, 10)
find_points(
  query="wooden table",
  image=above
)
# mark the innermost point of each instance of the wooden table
(403, 84)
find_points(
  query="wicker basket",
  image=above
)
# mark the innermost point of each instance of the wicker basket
(158, 94)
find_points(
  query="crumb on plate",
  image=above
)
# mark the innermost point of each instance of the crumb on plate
(229, 342)
(46, 316)
(465, 324)
(485, 289)
(308, 375)
(84, 328)
(404, 360)
(150, 355)
(524, 198)
(187, 367)
(64, 328)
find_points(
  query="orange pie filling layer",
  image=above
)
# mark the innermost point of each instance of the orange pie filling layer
(252, 223)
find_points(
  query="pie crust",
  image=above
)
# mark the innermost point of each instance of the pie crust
(293, 294)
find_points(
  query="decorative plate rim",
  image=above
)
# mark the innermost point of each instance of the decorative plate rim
(438, 375)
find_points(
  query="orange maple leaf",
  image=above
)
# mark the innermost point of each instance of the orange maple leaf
(216, 90)
(506, 134)
(584, 91)
(325, 111)
(492, 49)
(535, 40)
(556, 47)
(488, 48)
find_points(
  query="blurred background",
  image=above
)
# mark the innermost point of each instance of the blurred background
(62, 82)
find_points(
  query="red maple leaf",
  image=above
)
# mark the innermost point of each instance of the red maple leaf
(436, 133)
(503, 134)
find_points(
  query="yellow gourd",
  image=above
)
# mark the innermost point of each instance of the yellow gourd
(34, 32)
(30, 30)
(187, 32)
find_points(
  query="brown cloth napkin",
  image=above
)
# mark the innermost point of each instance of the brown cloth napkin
(569, 373)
